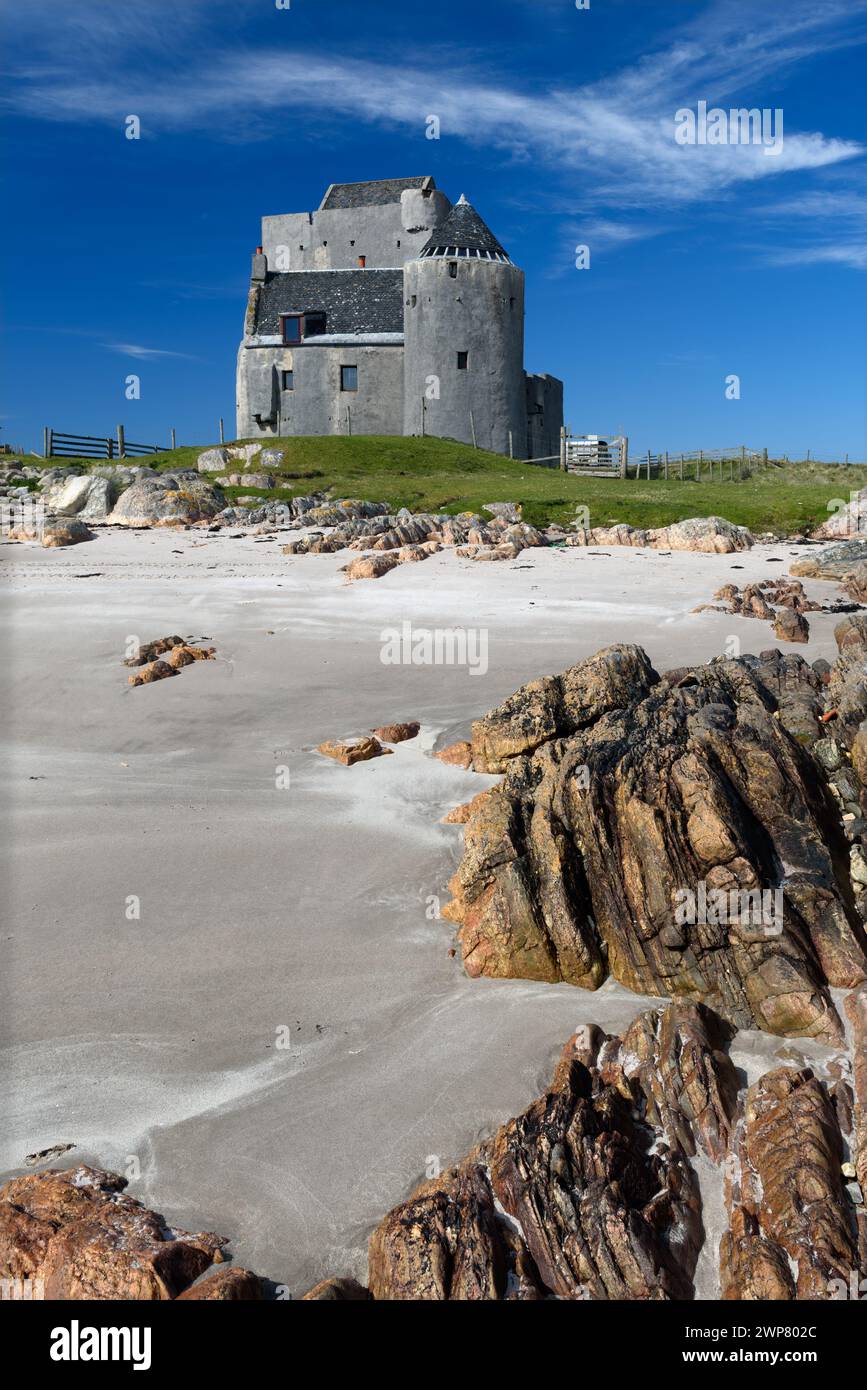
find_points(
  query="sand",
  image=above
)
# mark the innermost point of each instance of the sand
(280, 1046)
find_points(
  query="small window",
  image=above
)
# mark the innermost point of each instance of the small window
(288, 381)
(314, 324)
(463, 361)
(414, 300)
(453, 269)
(349, 378)
(398, 241)
(291, 328)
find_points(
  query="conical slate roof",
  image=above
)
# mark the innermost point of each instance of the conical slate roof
(465, 234)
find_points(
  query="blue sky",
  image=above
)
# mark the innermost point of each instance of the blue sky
(128, 256)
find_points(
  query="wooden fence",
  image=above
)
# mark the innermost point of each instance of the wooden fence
(57, 445)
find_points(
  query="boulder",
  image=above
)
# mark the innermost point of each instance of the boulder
(397, 733)
(708, 534)
(87, 496)
(833, 562)
(230, 1284)
(848, 522)
(213, 460)
(351, 751)
(791, 626)
(152, 503)
(60, 531)
(457, 754)
(336, 1291)
(154, 671)
(259, 480)
(84, 1238)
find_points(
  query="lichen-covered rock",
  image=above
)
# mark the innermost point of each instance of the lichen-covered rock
(155, 503)
(669, 832)
(60, 531)
(847, 522)
(78, 1233)
(707, 534)
(457, 754)
(833, 562)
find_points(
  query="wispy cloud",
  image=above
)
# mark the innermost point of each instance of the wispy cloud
(145, 354)
(618, 132)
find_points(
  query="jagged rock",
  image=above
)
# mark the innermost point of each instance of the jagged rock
(791, 626)
(638, 826)
(459, 815)
(397, 733)
(149, 650)
(558, 705)
(856, 1010)
(260, 480)
(791, 1229)
(579, 1197)
(337, 1291)
(834, 562)
(675, 1057)
(352, 751)
(183, 654)
(77, 1232)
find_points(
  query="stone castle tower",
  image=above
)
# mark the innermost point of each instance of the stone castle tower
(390, 311)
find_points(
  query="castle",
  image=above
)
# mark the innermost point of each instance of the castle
(390, 310)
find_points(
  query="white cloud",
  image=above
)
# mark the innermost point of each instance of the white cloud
(144, 353)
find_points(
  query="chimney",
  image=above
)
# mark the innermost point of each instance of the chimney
(260, 266)
(362, 262)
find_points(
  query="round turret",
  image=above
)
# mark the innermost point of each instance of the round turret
(464, 338)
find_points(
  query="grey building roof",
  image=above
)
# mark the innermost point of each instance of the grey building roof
(464, 233)
(365, 195)
(353, 301)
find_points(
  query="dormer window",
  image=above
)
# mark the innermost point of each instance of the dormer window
(296, 327)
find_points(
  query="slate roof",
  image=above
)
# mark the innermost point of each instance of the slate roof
(353, 301)
(365, 195)
(464, 230)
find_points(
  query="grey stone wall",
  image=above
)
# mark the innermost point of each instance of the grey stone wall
(481, 312)
(333, 239)
(544, 415)
(317, 405)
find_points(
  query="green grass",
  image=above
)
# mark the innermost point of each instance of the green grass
(441, 475)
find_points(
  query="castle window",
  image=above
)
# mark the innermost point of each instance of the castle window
(349, 378)
(414, 300)
(453, 269)
(463, 361)
(288, 381)
(314, 324)
(291, 327)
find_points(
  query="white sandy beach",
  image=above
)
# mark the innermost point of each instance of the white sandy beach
(266, 909)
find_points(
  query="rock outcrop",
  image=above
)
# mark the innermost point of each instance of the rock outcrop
(83, 1238)
(669, 831)
(352, 751)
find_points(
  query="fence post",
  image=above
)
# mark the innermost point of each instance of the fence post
(764, 458)
(511, 448)
(222, 439)
(174, 445)
(698, 463)
(46, 442)
(563, 448)
(110, 443)
(666, 465)
(473, 430)
(121, 443)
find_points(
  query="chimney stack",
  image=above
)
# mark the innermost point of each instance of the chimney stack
(260, 266)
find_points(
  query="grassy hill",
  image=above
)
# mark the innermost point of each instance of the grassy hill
(440, 475)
